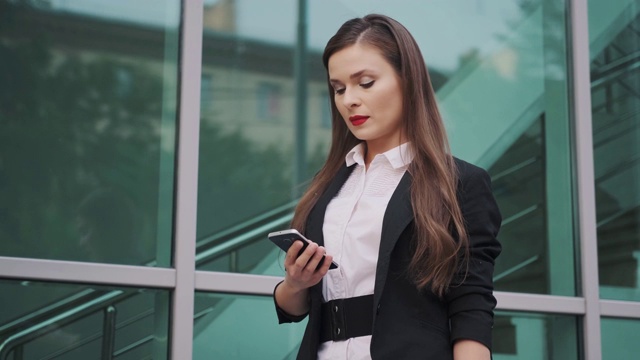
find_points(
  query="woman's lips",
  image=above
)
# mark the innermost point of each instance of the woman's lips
(358, 120)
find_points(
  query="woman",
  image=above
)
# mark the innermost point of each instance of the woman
(412, 228)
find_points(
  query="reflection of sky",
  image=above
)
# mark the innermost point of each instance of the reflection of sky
(444, 29)
(153, 12)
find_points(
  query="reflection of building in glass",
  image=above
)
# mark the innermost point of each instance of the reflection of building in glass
(206, 94)
(269, 101)
(220, 15)
(253, 87)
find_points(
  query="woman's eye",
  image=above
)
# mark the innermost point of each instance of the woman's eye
(339, 91)
(367, 84)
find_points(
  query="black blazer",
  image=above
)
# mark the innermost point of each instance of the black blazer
(412, 324)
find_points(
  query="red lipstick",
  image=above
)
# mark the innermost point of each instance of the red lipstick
(358, 120)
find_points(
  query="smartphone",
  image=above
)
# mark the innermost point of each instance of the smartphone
(285, 238)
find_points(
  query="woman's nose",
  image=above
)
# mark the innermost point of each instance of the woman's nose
(350, 99)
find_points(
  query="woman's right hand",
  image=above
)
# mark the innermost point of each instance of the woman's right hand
(301, 273)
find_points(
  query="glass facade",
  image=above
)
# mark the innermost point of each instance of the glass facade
(524, 141)
(615, 94)
(620, 338)
(535, 336)
(216, 317)
(92, 100)
(87, 131)
(249, 118)
(67, 321)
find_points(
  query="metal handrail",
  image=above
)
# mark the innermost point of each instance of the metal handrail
(617, 169)
(229, 246)
(130, 347)
(40, 312)
(45, 327)
(109, 332)
(615, 216)
(97, 335)
(515, 168)
(613, 70)
(515, 268)
(241, 227)
(520, 214)
(241, 241)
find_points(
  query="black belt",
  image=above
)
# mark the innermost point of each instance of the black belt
(346, 318)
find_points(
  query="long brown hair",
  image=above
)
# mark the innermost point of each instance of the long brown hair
(438, 254)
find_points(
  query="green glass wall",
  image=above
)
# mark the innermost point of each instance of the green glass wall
(125, 322)
(535, 336)
(503, 92)
(92, 172)
(247, 135)
(87, 117)
(620, 338)
(87, 142)
(219, 333)
(502, 79)
(615, 95)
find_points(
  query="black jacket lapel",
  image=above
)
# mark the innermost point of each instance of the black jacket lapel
(396, 218)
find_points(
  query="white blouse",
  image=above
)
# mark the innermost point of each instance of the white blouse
(352, 229)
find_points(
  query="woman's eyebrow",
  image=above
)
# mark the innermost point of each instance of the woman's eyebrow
(356, 74)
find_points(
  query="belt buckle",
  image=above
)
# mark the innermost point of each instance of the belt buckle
(338, 323)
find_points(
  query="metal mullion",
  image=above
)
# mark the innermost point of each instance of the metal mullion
(236, 283)
(540, 303)
(620, 309)
(90, 273)
(587, 230)
(181, 332)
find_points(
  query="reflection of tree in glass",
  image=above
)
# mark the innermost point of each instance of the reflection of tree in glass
(69, 125)
(108, 225)
(238, 179)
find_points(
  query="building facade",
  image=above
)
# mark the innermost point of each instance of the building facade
(148, 147)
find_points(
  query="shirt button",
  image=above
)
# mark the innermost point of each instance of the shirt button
(378, 309)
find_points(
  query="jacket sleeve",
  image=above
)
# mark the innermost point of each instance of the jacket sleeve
(283, 316)
(470, 298)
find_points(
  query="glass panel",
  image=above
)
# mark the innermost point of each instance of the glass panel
(615, 98)
(87, 123)
(66, 321)
(248, 147)
(525, 336)
(525, 145)
(502, 90)
(619, 338)
(240, 327)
